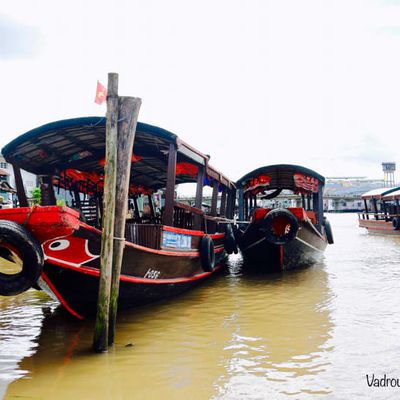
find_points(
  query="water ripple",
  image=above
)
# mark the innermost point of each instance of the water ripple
(308, 334)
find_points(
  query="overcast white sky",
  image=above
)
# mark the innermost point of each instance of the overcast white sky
(255, 82)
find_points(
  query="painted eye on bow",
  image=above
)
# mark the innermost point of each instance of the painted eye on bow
(59, 245)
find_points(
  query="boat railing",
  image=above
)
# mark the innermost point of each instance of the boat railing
(185, 216)
(147, 235)
(188, 217)
(378, 216)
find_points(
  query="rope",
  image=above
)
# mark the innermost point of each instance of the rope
(28, 215)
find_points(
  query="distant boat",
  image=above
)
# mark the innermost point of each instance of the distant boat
(382, 211)
(278, 238)
(167, 250)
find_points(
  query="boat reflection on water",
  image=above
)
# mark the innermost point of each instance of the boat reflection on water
(20, 326)
(238, 335)
(281, 330)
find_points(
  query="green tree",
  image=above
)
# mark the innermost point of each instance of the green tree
(36, 196)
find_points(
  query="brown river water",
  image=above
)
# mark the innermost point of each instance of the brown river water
(314, 333)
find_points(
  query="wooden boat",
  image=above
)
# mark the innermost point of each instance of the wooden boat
(168, 250)
(382, 211)
(275, 237)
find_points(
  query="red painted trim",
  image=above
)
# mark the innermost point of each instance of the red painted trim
(60, 298)
(183, 231)
(125, 278)
(378, 226)
(189, 232)
(217, 235)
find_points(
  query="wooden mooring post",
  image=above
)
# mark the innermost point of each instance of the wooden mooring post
(128, 115)
(122, 115)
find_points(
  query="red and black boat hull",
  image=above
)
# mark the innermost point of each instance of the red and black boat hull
(306, 248)
(147, 275)
(170, 264)
(78, 291)
(378, 227)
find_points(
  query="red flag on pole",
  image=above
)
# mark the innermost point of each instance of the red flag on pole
(101, 94)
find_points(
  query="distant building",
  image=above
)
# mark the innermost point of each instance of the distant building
(29, 180)
(343, 203)
(343, 194)
(350, 186)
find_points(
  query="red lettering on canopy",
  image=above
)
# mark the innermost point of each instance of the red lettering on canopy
(257, 185)
(307, 183)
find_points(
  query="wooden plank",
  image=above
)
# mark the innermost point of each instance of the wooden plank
(214, 200)
(192, 210)
(136, 210)
(152, 211)
(77, 198)
(100, 340)
(168, 216)
(128, 115)
(22, 198)
(228, 212)
(241, 205)
(222, 208)
(199, 198)
(48, 197)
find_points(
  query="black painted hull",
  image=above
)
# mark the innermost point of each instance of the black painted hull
(79, 291)
(147, 275)
(305, 249)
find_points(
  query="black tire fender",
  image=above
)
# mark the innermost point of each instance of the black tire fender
(18, 238)
(267, 226)
(328, 231)
(207, 255)
(396, 223)
(229, 240)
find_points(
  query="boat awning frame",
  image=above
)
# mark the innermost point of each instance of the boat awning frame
(378, 194)
(392, 196)
(281, 176)
(79, 143)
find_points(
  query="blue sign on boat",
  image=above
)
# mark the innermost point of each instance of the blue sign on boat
(176, 240)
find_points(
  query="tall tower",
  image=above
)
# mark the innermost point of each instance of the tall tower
(388, 173)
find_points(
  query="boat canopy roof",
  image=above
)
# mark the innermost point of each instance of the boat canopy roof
(75, 149)
(378, 194)
(281, 176)
(392, 195)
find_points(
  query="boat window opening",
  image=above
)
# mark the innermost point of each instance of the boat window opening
(186, 214)
(142, 210)
(207, 194)
(63, 197)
